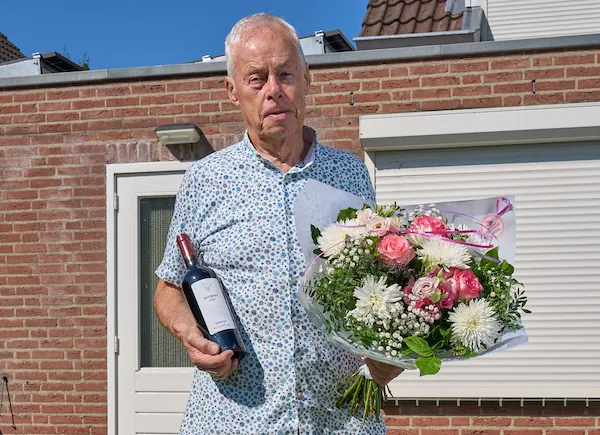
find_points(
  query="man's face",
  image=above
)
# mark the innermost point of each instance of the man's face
(269, 85)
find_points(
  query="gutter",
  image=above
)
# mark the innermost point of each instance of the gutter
(348, 58)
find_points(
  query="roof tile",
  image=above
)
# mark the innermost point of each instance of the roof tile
(395, 17)
(8, 51)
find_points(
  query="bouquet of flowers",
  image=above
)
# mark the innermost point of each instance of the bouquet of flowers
(410, 289)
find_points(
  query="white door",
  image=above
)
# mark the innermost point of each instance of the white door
(153, 372)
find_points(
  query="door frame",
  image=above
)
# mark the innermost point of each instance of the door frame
(113, 172)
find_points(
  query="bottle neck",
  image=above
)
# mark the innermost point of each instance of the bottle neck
(192, 261)
(187, 251)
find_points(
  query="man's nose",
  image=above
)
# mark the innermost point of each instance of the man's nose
(273, 87)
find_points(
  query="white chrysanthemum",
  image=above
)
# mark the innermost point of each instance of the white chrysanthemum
(375, 300)
(474, 325)
(472, 238)
(331, 239)
(444, 253)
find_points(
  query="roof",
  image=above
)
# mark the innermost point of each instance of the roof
(400, 17)
(8, 51)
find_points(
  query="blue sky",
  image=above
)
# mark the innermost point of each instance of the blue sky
(129, 33)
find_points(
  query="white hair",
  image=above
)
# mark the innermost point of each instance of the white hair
(250, 23)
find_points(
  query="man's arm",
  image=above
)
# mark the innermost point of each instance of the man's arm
(174, 313)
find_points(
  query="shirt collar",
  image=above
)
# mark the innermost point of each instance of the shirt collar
(308, 133)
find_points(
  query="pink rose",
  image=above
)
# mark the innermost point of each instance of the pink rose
(395, 249)
(378, 226)
(461, 284)
(425, 287)
(423, 224)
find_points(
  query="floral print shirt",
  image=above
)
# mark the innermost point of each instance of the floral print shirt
(238, 209)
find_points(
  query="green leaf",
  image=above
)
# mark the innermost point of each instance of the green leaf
(493, 253)
(446, 331)
(315, 233)
(428, 365)
(506, 268)
(469, 354)
(418, 345)
(317, 251)
(348, 213)
(436, 296)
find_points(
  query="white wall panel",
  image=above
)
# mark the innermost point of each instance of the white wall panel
(522, 19)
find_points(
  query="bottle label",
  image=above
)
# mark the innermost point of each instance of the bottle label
(212, 305)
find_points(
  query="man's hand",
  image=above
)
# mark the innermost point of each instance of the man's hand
(382, 373)
(174, 314)
(205, 354)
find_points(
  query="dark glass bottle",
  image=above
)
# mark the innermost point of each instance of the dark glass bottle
(209, 301)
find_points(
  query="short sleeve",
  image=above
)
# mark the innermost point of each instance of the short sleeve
(185, 219)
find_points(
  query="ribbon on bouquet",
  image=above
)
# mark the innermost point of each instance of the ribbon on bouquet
(439, 235)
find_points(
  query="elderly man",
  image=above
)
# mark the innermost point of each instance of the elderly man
(237, 207)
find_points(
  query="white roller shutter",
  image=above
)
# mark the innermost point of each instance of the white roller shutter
(522, 19)
(557, 189)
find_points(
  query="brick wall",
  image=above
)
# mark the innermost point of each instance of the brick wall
(55, 143)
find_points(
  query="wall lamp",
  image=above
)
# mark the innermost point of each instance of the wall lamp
(173, 134)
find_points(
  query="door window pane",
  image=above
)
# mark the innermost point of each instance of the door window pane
(157, 346)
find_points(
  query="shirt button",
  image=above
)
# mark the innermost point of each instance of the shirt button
(294, 319)
(288, 211)
(294, 281)
(300, 396)
(291, 246)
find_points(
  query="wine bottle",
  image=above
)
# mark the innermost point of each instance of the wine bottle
(209, 301)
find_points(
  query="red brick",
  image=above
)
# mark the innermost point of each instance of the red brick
(573, 59)
(516, 63)
(327, 76)
(428, 68)
(54, 128)
(28, 119)
(371, 73)
(360, 109)
(575, 97)
(439, 431)
(522, 432)
(372, 96)
(555, 73)
(430, 93)
(460, 421)
(58, 117)
(54, 106)
(462, 91)
(469, 103)
(492, 421)
(35, 96)
(515, 100)
(400, 83)
(88, 104)
(440, 81)
(183, 86)
(557, 85)
(393, 431)
(544, 98)
(121, 102)
(565, 431)
(469, 66)
(213, 83)
(532, 422)
(157, 99)
(588, 83)
(574, 421)
(502, 77)
(190, 97)
(485, 431)
(149, 88)
(583, 72)
(430, 421)
(513, 88)
(114, 91)
(332, 99)
(341, 87)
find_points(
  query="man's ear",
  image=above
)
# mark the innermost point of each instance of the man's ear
(307, 78)
(231, 91)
